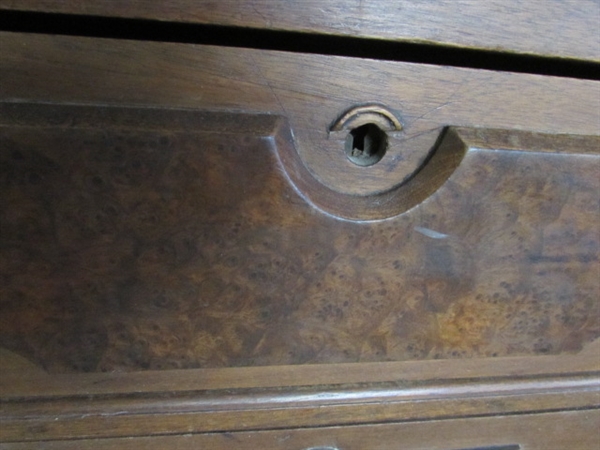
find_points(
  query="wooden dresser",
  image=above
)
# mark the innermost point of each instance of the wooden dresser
(305, 225)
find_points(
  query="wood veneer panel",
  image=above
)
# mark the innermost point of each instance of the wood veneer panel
(531, 226)
(131, 247)
(549, 28)
(258, 96)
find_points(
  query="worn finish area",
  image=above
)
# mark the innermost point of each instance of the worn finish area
(138, 239)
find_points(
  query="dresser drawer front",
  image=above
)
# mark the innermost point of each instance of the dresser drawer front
(188, 238)
(184, 235)
(565, 430)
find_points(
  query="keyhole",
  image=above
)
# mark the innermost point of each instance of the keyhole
(366, 145)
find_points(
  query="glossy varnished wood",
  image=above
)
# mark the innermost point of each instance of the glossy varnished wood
(541, 27)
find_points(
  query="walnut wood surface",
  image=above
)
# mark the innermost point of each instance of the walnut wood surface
(128, 247)
(576, 430)
(36, 383)
(231, 410)
(310, 91)
(534, 299)
(129, 230)
(543, 27)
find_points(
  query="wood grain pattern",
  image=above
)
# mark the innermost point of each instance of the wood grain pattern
(132, 248)
(420, 297)
(131, 222)
(542, 27)
(85, 416)
(35, 384)
(306, 89)
(575, 430)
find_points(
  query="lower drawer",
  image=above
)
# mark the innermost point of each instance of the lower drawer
(552, 431)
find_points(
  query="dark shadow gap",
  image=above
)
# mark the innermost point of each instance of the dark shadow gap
(148, 30)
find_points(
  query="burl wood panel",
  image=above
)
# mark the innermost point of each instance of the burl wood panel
(140, 239)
